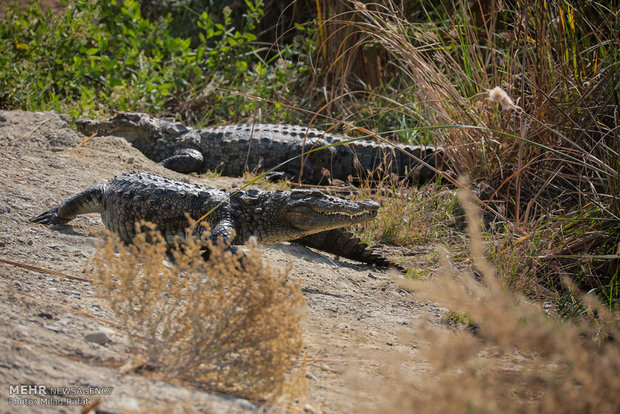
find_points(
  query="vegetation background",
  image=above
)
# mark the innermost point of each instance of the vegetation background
(524, 96)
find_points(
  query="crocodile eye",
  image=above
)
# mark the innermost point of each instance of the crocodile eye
(297, 194)
(248, 196)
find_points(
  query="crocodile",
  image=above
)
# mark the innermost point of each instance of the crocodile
(307, 217)
(236, 149)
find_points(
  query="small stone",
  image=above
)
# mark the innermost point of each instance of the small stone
(65, 248)
(310, 409)
(88, 382)
(246, 405)
(45, 315)
(22, 330)
(54, 328)
(97, 337)
(311, 376)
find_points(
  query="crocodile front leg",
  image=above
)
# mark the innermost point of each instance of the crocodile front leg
(185, 161)
(223, 233)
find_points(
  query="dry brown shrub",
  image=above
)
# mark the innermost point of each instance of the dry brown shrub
(226, 324)
(520, 360)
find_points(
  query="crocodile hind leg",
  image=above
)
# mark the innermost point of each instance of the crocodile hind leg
(343, 243)
(88, 201)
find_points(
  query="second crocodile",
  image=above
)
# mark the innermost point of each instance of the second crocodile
(236, 149)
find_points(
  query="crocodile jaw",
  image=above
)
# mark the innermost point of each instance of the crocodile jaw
(318, 212)
(311, 221)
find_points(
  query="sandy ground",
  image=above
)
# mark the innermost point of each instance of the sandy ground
(354, 312)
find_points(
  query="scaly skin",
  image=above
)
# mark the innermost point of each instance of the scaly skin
(235, 149)
(269, 216)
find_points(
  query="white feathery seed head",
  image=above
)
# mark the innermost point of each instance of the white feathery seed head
(500, 96)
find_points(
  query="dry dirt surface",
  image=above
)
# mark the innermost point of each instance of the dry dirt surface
(50, 338)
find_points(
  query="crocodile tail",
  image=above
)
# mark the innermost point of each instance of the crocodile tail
(88, 201)
(343, 243)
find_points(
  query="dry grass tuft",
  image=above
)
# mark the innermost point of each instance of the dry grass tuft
(411, 216)
(560, 143)
(520, 360)
(524, 99)
(226, 324)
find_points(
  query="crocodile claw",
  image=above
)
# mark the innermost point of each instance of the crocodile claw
(49, 217)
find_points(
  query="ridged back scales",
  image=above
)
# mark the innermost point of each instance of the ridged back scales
(131, 198)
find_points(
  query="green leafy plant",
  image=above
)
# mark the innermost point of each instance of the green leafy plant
(104, 56)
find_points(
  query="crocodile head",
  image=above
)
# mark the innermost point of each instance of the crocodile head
(132, 126)
(274, 217)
